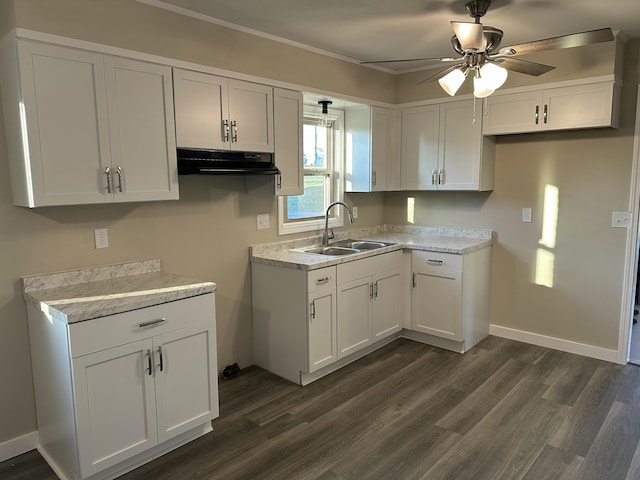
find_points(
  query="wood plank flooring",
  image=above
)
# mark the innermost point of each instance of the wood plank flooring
(504, 410)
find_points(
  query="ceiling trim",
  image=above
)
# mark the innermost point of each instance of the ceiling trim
(216, 21)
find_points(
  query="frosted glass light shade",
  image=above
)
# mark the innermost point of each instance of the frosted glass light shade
(480, 87)
(452, 81)
(493, 75)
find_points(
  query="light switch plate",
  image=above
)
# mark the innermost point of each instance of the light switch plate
(620, 219)
(262, 221)
(526, 215)
(102, 237)
(354, 212)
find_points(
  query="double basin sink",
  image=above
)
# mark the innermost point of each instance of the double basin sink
(347, 247)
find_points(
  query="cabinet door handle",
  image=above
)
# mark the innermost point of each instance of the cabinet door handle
(537, 114)
(435, 262)
(375, 290)
(107, 172)
(322, 281)
(225, 131)
(373, 178)
(234, 132)
(279, 181)
(313, 310)
(150, 363)
(371, 291)
(160, 355)
(119, 172)
(441, 177)
(434, 179)
(413, 281)
(152, 322)
(546, 111)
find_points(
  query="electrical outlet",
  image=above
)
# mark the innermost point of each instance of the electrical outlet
(354, 212)
(620, 219)
(102, 237)
(526, 215)
(262, 221)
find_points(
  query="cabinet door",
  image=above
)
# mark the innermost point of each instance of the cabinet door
(387, 305)
(186, 380)
(322, 329)
(354, 316)
(64, 110)
(419, 158)
(200, 109)
(579, 106)
(435, 304)
(381, 148)
(513, 113)
(460, 153)
(115, 405)
(250, 116)
(142, 132)
(288, 124)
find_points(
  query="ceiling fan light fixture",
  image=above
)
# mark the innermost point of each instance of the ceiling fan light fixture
(493, 75)
(452, 81)
(481, 88)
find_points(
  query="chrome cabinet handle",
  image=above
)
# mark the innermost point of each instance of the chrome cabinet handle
(537, 114)
(441, 177)
(234, 132)
(371, 290)
(160, 355)
(546, 111)
(373, 179)
(413, 281)
(434, 177)
(225, 133)
(107, 172)
(150, 363)
(375, 290)
(152, 322)
(322, 281)
(119, 172)
(313, 310)
(435, 262)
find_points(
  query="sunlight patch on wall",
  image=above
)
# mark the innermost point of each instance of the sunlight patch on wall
(411, 212)
(545, 258)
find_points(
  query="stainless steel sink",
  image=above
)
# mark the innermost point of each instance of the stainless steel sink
(347, 247)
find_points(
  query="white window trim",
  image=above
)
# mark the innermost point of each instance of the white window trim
(337, 217)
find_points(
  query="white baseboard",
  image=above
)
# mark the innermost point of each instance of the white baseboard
(555, 343)
(18, 446)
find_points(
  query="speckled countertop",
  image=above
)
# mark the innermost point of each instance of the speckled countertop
(80, 295)
(435, 239)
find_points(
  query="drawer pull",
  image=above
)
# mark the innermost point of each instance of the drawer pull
(152, 322)
(435, 262)
(322, 281)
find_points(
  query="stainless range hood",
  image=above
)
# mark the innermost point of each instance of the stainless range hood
(224, 162)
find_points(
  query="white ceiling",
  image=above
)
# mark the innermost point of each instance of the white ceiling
(381, 29)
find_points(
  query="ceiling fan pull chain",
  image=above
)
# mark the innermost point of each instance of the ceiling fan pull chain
(473, 121)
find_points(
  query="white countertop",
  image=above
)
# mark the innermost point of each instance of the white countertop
(434, 239)
(81, 295)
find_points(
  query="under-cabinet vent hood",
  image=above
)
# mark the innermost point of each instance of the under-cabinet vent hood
(223, 162)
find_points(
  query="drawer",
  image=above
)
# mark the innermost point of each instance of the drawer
(434, 262)
(113, 330)
(321, 279)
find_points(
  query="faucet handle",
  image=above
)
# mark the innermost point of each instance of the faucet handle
(330, 235)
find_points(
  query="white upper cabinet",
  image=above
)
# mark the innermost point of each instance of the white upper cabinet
(221, 113)
(562, 108)
(443, 148)
(371, 149)
(86, 128)
(288, 125)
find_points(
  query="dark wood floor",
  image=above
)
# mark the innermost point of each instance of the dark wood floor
(504, 410)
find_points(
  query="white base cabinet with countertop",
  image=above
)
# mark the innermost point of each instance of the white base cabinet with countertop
(117, 391)
(450, 298)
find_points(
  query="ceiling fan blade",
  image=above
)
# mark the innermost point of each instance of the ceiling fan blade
(432, 59)
(564, 41)
(438, 74)
(523, 66)
(470, 35)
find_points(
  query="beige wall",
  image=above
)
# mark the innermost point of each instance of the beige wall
(592, 171)
(206, 233)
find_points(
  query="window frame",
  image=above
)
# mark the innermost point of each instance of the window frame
(337, 189)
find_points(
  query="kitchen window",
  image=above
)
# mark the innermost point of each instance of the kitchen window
(322, 161)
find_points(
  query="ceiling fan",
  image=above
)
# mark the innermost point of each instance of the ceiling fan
(479, 45)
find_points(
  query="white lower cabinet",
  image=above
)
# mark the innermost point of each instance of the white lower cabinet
(450, 297)
(140, 382)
